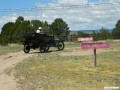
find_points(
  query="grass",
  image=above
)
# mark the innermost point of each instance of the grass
(53, 71)
(10, 48)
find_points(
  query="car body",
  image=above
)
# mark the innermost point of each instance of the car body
(41, 41)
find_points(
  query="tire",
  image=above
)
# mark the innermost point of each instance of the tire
(47, 48)
(60, 45)
(26, 48)
(43, 47)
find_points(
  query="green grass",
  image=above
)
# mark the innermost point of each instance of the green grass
(10, 48)
(52, 71)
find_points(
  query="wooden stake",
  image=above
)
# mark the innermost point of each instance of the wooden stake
(95, 62)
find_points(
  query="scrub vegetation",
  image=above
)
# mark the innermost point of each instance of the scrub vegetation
(10, 48)
(71, 69)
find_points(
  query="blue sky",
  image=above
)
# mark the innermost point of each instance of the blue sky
(12, 4)
(77, 19)
(20, 3)
(17, 3)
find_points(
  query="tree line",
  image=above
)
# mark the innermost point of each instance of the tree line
(11, 31)
(103, 33)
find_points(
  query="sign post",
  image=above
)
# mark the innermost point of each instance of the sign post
(94, 45)
(95, 63)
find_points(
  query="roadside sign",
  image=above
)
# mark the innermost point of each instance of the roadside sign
(85, 39)
(94, 46)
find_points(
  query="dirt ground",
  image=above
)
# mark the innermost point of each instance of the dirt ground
(7, 82)
(8, 61)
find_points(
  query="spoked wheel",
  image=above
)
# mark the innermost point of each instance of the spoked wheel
(47, 48)
(26, 48)
(60, 45)
(43, 47)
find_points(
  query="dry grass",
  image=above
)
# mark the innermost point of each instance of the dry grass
(10, 48)
(71, 69)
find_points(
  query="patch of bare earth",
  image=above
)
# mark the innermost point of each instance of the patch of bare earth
(8, 61)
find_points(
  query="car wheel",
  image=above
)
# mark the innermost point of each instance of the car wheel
(60, 45)
(42, 47)
(26, 48)
(47, 48)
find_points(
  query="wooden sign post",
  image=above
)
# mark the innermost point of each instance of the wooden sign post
(94, 45)
(95, 62)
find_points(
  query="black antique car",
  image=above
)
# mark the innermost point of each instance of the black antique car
(41, 41)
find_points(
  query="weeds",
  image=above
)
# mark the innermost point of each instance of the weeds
(10, 48)
(52, 71)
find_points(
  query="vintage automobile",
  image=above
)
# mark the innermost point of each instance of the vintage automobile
(41, 41)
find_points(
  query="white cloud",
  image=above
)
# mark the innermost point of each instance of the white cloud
(77, 18)
(85, 18)
(72, 1)
(44, 16)
(10, 18)
(111, 1)
(114, 0)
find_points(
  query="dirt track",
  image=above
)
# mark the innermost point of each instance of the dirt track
(10, 60)
(7, 61)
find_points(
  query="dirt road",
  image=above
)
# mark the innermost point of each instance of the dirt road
(7, 82)
(7, 61)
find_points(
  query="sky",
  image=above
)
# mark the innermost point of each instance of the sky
(85, 18)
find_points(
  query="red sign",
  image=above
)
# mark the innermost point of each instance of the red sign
(94, 45)
(85, 39)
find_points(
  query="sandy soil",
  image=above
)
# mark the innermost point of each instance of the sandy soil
(8, 61)
(7, 82)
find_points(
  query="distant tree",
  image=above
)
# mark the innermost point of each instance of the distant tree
(36, 23)
(46, 28)
(7, 32)
(95, 36)
(18, 29)
(81, 34)
(116, 30)
(26, 27)
(20, 19)
(60, 27)
(104, 33)
(11, 31)
(21, 26)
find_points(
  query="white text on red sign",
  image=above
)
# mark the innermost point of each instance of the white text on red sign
(85, 39)
(94, 45)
